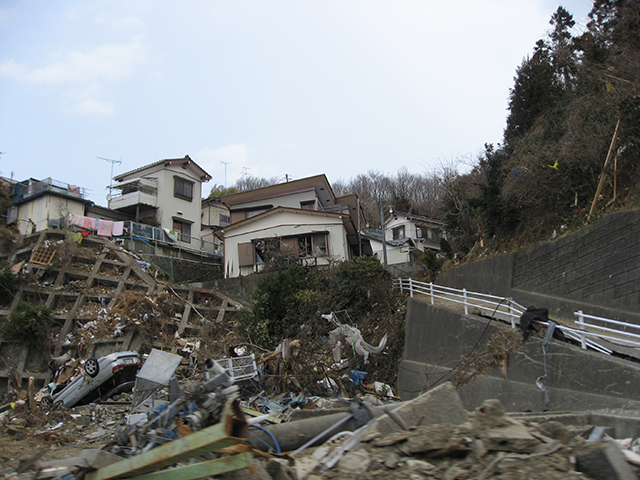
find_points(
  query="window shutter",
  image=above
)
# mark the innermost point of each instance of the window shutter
(246, 254)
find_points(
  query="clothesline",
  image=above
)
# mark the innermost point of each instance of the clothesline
(103, 228)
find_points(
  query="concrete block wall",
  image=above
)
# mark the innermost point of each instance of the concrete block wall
(596, 269)
(599, 264)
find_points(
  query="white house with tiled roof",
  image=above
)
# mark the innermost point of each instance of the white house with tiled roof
(167, 194)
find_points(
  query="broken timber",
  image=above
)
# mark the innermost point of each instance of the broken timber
(149, 465)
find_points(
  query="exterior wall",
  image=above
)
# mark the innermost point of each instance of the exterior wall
(170, 205)
(292, 201)
(395, 254)
(283, 224)
(211, 214)
(44, 208)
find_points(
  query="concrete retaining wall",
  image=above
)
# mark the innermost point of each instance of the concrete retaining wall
(596, 269)
(437, 338)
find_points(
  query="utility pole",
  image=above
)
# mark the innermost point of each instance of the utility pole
(112, 163)
(384, 241)
(225, 172)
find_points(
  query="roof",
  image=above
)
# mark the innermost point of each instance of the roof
(275, 211)
(204, 175)
(318, 182)
(393, 243)
(415, 218)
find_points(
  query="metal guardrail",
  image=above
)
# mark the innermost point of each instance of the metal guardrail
(507, 309)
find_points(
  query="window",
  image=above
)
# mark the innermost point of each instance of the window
(183, 230)
(314, 245)
(398, 233)
(225, 220)
(421, 232)
(182, 188)
(311, 205)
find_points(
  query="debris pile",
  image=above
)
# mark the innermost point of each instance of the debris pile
(204, 428)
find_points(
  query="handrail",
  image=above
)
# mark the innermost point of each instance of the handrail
(586, 334)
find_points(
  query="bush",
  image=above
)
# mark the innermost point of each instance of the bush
(276, 300)
(359, 283)
(431, 263)
(8, 283)
(29, 325)
(288, 299)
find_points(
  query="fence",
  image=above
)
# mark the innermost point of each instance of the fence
(587, 334)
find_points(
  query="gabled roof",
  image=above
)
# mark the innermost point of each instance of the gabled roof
(415, 218)
(318, 182)
(204, 176)
(276, 211)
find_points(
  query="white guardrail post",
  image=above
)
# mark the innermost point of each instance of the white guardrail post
(410, 287)
(466, 303)
(512, 314)
(433, 300)
(580, 322)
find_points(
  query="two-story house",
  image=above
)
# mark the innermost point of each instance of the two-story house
(301, 219)
(40, 204)
(423, 231)
(166, 194)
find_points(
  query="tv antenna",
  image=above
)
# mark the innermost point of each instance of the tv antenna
(225, 172)
(113, 162)
(245, 173)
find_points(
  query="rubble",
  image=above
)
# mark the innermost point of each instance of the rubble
(204, 429)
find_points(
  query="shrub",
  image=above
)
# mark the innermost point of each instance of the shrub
(360, 282)
(29, 325)
(8, 283)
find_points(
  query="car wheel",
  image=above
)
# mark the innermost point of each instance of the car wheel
(92, 367)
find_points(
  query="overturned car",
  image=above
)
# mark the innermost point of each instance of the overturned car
(102, 378)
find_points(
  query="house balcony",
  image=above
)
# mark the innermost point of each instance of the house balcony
(138, 192)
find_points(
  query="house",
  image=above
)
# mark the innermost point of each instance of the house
(301, 219)
(397, 251)
(215, 215)
(40, 204)
(425, 232)
(166, 194)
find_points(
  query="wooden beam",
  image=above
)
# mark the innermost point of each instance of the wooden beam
(202, 469)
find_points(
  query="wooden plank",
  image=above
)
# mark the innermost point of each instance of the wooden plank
(202, 469)
(207, 440)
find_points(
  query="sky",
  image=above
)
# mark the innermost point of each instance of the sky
(277, 88)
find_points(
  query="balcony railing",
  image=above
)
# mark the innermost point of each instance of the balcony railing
(51, 185)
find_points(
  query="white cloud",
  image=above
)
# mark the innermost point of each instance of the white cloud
(93, 107)
(109, 63)
(128, 22)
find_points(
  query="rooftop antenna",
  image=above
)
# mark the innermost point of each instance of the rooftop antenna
(225, 172)
(245, 173)
(119, 162)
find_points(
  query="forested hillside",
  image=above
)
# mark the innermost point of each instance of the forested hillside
(570, 151)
